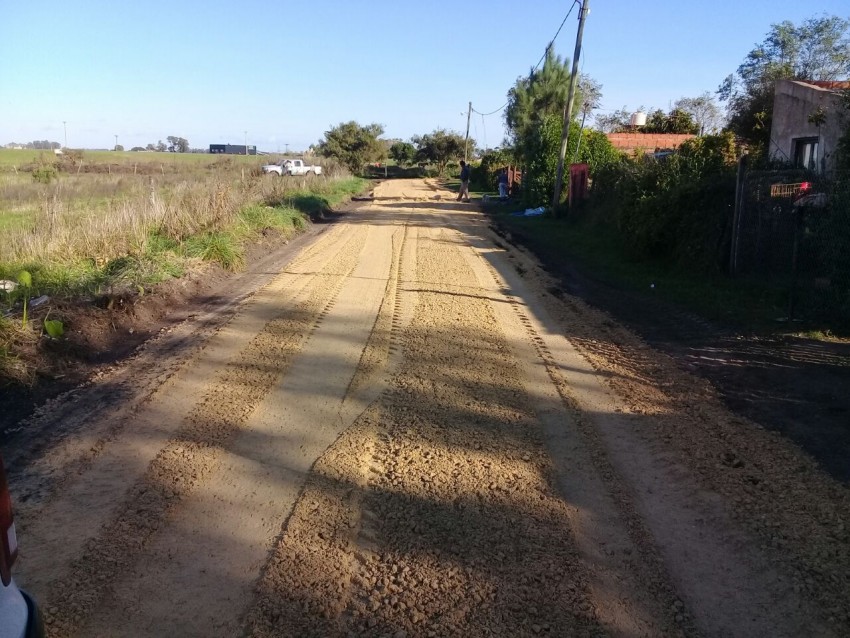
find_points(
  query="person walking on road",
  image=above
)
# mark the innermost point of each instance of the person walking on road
(464, 182)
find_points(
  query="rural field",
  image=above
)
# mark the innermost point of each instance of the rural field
(395, 424)
(104, 229)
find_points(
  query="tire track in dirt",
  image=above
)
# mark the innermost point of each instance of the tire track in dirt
(671, 439)
(189, 458)
(630, 587)
(448, 543)
(469, 537)
(307, 581)
(384, 332)
(224, 531)
(96, 469)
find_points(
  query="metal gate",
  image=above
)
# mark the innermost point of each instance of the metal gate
(792, 232)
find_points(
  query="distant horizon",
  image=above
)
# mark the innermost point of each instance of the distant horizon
(196, 150)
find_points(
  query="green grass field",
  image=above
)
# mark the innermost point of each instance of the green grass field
(70, 226)
(10, 158)
(599, 253)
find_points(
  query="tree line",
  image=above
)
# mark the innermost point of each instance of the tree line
(41, 145)
(816, 49)
(356, 146)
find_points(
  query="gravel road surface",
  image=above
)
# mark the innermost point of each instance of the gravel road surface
(409, 431)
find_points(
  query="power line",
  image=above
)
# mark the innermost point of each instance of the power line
(552, 41)
(491, 112)
(540, 61)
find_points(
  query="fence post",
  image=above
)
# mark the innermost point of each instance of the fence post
(736, 217)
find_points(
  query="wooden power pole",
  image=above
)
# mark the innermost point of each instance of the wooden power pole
(466, 143)
(568, 111)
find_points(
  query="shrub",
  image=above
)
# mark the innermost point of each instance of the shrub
(44, 173)
(485, 176)
(677, 209)
(539, 149)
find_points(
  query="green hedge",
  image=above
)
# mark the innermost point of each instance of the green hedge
(677, 209)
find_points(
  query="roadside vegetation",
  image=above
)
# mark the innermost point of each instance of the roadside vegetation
(78, 228)
(663, 222)
(362, 149)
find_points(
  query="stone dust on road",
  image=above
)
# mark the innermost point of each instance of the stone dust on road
(405, 434)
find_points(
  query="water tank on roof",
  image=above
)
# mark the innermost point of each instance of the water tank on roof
(638, 119)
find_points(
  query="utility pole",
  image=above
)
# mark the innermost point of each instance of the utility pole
(65, 126)
(584, 109)
(116, 144)
(246, 142)
(287, 148)
(466, 144)
(559, 179)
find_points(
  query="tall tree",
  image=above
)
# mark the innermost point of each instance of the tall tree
(676, 121)
(591, 94)
(403, 153)
(353, 145)
(703, 110)
(440, 147)
(817, 49)
(541, 93)
(177, 144)
(614, 122)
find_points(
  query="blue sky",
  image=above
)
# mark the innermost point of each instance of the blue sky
(285, 72)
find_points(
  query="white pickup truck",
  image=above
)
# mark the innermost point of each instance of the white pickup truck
(291, 167)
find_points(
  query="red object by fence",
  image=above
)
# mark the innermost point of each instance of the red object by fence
(579, 174)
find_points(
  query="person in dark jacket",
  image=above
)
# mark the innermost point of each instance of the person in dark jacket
(503, 184)
(464, 182)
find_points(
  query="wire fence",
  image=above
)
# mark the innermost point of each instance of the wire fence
(792, 232)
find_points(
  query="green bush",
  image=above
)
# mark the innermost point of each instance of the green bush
(44, 173)
(676, 209)
(485, 175)
(539, 150)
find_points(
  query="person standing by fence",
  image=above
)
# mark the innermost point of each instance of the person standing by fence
(464, 182)
(503, 184)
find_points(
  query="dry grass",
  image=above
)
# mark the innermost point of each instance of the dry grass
(101, 217)
(17, 345)
(111, 233)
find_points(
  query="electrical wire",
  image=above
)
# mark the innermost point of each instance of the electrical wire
(491, 112)
(552, 41)
(540, 61)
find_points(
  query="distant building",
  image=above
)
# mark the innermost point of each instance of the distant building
(232, 149)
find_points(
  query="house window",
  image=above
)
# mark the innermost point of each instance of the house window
(806, 153)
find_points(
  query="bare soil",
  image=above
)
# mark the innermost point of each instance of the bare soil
(402, 433)
(791, 384)
(102, 332)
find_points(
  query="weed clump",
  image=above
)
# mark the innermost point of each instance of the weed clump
(218, 247)
(44, 173)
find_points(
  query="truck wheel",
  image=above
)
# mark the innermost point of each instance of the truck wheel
(311, 173)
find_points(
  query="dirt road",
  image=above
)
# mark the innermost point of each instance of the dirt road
(403, 433)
